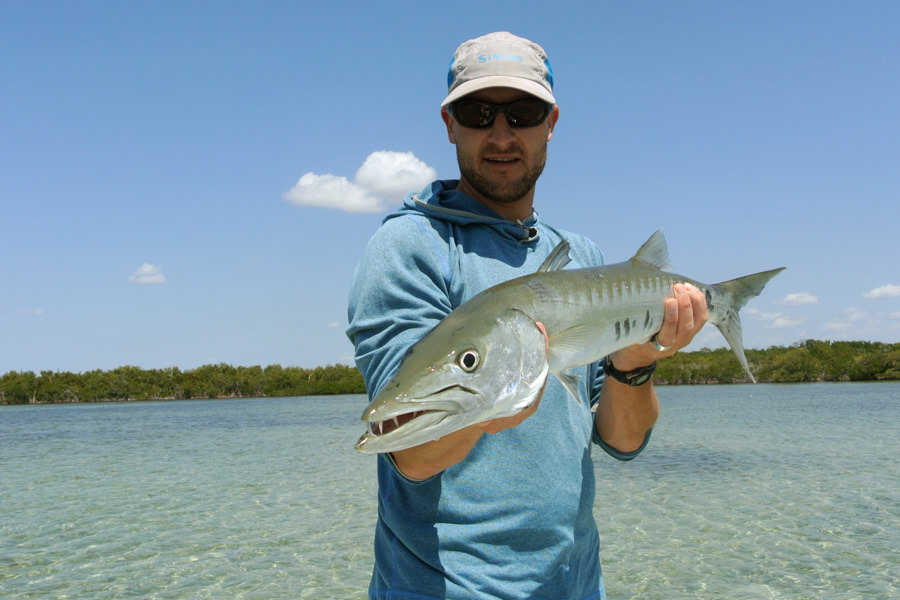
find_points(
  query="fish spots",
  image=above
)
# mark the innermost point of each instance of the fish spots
(709, 302)
(623, 327)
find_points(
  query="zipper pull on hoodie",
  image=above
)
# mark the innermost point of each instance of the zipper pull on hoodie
(531, 232)
(440, 200)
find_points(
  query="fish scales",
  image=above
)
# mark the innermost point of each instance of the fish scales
(491, 356)
(618, 310)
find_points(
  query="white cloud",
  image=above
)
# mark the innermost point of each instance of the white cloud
(855, 315)
(384, 179)
(774, 320)
(147, 273)
(393, 175)
(863, 325)
(30, 311)
(860, 321)
(836, 326)
(799, 299)
(885, 291)
(780, 321)
(331, 191)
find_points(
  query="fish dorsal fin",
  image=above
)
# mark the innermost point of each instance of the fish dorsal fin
(557, 259)
(654, 252)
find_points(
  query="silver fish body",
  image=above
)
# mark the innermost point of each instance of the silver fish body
(491, 356)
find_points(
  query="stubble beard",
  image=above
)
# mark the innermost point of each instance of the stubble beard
(501, 191)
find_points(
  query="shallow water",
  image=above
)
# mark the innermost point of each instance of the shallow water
(744, 492)
(759, 492)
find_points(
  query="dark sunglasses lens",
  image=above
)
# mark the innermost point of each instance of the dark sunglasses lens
(474, 114)
(521, 113)
(527, 113)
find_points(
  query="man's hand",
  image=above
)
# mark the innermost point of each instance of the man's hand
(624, 413)
(685, 314)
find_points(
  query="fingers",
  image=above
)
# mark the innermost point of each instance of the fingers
(685, 314)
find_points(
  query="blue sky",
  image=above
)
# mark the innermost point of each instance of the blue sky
(150, 155)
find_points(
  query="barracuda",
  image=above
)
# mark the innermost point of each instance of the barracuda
(491, 356)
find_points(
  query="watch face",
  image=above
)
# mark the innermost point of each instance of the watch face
(639, 379)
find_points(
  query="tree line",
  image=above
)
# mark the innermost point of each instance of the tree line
(811, 360)
(208, 381)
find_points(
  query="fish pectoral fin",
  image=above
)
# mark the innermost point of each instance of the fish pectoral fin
(570, 343)
(570, 382)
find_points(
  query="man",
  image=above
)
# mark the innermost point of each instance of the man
(501, 509)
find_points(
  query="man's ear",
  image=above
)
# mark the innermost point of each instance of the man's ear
(448, 122)
(551, 121)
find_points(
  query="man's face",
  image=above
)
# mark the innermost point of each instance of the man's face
(500, 165)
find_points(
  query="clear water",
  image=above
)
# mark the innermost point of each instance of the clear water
(745, 492)
(787, 492)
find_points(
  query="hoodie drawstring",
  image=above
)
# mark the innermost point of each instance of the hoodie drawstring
(531, 232)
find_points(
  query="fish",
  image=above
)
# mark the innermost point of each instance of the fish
(491, 356)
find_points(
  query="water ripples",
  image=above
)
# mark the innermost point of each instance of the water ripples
(745, 492)
(785, 498)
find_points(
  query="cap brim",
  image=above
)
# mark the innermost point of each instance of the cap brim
(503, 81)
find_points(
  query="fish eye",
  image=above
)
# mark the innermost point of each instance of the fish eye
(468, 360)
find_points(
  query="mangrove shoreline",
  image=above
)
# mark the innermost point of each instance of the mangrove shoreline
(808, 361)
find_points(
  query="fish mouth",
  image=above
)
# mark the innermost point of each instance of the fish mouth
(400, 432)
(376, 428)
(395, 425)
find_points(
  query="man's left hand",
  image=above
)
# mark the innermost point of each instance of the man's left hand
(684, 316)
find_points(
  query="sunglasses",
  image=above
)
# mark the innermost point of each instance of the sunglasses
(478, 114)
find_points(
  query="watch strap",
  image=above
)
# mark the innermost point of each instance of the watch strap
(634, 378)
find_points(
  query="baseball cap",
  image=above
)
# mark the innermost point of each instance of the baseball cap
(499, 59)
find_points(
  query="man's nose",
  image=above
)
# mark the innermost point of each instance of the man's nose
(501, 129)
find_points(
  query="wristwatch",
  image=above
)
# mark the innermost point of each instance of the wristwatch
(634, 378)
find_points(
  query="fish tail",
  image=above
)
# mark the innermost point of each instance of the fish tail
(736, 294)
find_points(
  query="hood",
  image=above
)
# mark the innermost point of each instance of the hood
(440, 200)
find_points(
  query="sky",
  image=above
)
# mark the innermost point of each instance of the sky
(193, 182)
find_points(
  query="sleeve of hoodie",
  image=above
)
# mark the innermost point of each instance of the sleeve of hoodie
(399, 292)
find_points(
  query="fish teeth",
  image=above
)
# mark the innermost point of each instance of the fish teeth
(376, 428)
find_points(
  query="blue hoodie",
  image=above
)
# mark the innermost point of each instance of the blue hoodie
(514, 519)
